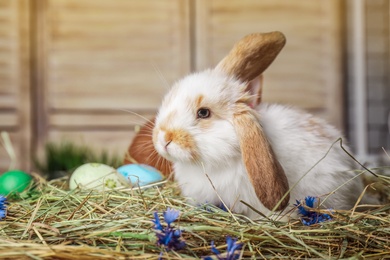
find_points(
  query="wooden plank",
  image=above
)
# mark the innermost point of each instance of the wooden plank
(39, 47)
(15, 106)
(24, 103)
(307, 72)
(9, 71)
(9, 120)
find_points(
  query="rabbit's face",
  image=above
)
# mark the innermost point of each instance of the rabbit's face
(194, 123)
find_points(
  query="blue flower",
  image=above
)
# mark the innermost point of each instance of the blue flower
(168, 236)
(222, 206)
(231, 254)
(232, 246)
(156, 221)
(170, 215)
(310, 217)
(3, 202)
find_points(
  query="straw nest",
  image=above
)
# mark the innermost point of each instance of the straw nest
(52, 222)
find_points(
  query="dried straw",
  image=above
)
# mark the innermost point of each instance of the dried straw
(55, 223)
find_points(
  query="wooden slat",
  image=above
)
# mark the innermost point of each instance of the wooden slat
(9, 28)
(15, 106)
(307, 72)
(9, 120)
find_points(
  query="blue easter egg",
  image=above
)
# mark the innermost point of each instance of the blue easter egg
(140, 174)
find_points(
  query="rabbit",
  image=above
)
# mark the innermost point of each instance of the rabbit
(141, 150)
(226, 146)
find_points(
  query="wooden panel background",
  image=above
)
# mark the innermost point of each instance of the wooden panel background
(101, 58)
(14, 80)
(307, 73)
(94, 61)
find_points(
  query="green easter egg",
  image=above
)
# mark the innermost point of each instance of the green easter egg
(14, 181)
(95, 176)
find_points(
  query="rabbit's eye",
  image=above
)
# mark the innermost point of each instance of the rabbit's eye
(203, 113)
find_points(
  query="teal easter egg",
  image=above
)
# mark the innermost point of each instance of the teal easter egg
(140, 174)
(14, 181)
(95, 176)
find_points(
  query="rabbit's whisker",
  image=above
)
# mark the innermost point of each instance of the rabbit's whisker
(137, 114)
(160, 74)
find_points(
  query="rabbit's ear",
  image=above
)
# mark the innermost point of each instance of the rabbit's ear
(265, 172)
(246, 62)
(255, 89)
(252, 55)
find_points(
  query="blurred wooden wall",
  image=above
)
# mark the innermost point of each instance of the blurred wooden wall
(72, 69)
(15, 85)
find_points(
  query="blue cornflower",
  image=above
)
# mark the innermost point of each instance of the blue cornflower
(168, 236)
(170, 215)
(3, 202)
(310, 217)
(222, 206)
(231, 254)
(156, 221)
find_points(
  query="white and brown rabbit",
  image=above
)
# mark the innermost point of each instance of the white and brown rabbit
(212, 123)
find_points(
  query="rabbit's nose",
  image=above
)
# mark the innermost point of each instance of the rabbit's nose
(167, 142)
(163, 140)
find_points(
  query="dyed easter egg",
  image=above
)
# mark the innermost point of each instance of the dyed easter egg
(14, 181)
(140, 174)
(95, 176)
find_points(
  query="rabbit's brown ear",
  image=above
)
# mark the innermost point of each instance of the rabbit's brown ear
(265, 172)
(252, 55)
(246, 62)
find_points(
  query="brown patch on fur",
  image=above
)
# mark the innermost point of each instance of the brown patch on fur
(315, 126)
(265, 172)
(168, 137)
(198, 102)
(206, 123)
(141, 150)
(181, 138)
(252, 55)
